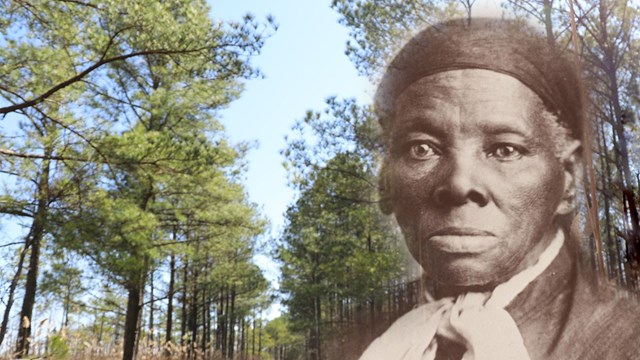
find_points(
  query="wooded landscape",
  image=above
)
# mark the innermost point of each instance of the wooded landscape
(336, 175)
(137, 223)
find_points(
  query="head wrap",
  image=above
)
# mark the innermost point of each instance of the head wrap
(505, 46)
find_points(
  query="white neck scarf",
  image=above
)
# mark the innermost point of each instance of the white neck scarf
(478, 321)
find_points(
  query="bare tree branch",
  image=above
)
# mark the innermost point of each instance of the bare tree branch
(103, 61)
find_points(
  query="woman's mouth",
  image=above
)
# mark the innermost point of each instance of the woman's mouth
(462, 240)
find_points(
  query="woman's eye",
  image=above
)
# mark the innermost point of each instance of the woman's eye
(421, 151)
(507, 152)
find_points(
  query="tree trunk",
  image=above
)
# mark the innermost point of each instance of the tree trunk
(253, 336)
(172, 275)
(193, 314)
(151, 329)
(219, 319)
(12, 288)
(232, 320)
(132, 318)
(116, 327)
(66, 306)
(205, 321)
(183, 314)
(609, 66)
(225, 317)
(37, 232)
(242, 338)
(602, 148)
(548, 23)
(315, 350)
(260, 338)
(101, 328)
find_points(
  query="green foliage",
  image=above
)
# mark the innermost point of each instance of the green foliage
(379, 27)
(118, 142)
(62, 282)
(114, 233)
(343, 127)
(279, 340)
(66, 42)
(338, 252)
(58, 347)
(166, 158)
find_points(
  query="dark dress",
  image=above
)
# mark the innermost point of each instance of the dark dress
(565, 313)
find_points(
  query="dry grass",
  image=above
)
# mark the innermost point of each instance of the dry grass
(79, 345)
(92, 352)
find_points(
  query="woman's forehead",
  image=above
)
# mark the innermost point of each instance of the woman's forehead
(491, 100)
(460, 82)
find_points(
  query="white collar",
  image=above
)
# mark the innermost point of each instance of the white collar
(465, 319)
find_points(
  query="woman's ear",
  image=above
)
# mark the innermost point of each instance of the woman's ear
(571, 159)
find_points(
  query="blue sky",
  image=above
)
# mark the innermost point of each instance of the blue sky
(303, 63)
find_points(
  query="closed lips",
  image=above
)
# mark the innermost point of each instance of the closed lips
(464, 231)
(462, 240)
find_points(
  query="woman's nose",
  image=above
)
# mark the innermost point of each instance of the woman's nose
(461, 181)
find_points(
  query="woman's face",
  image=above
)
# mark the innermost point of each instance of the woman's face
(475, 178)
